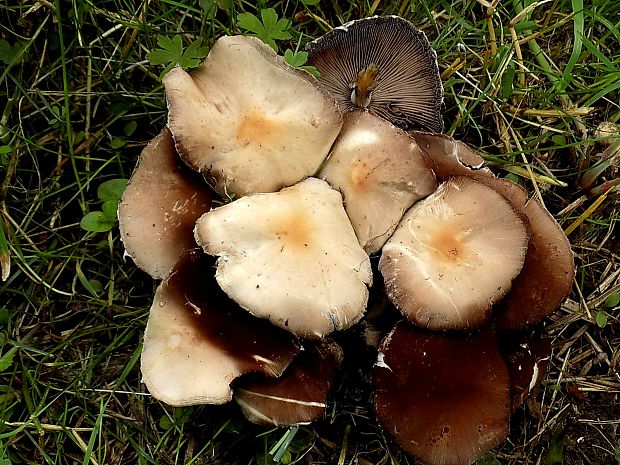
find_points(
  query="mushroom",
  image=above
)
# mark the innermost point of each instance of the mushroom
(249, 121)
(453, 255)
(158, 210)
(444, 397)
(383, 64)
(549, 268)
(291, 257)
(449, 157)
(527, 356)
(197, 341)
(299, 396)
(380, 171)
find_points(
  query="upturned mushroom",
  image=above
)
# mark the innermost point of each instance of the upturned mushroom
(197, 341)
(247, 120)
(454, 255)
(383, 64)
(380, 171)
(290, 256)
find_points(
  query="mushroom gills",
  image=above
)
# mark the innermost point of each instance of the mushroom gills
(365, 83)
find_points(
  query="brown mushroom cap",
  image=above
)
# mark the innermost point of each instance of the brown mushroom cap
(290, 256)
(450, 157)
(383, 64)
(453, 255)
(549, 268)
(299, 396)
(527, 356)
(444, 397)
(158, 210)
(380, 171)
(197, 341)
(248, 120)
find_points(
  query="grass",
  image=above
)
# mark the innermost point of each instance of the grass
(526, 83)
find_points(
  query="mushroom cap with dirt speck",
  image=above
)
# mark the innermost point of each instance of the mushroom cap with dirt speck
(290, 256)
(444, 397)
(299, 396)
(197, 341)
(380, 171)
(383, 64)
(159, 208)
(454, 255)
(247, 120)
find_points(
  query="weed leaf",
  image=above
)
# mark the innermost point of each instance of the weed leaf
(96, 222)
(250, 23)
(111, 190)
(171, 52)
(269, 30)
(8, 52)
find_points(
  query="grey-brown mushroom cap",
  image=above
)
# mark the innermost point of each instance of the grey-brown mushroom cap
(299, 396)
(380, 171)
(444, 397)
(527, 355)
(406, 89)
(454, 255)
(549, 268)
(449, 157)
(197, 341)
(159, 208)
(290, 256)
(247, 120)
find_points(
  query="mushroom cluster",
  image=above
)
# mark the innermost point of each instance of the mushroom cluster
(305, 180)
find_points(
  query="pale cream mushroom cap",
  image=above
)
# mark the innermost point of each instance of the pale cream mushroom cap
(158, 210)
(197, 341)
(291, 257)
(247, 120)
(380, 171)
(453, 255)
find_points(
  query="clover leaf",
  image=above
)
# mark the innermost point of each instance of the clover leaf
(171, 53)
(268, 29)
(298, 60)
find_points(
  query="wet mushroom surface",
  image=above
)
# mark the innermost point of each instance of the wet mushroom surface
(285, 250)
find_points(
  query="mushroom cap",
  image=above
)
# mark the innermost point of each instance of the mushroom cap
(380, 171)
(549, 268)
(249, 121)
(444, 397)
(159, 208)
(291, 257)
(526, 354)
(299, 396)
(384, 64)
(449, 157)
(197, 341)
(453, 255)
